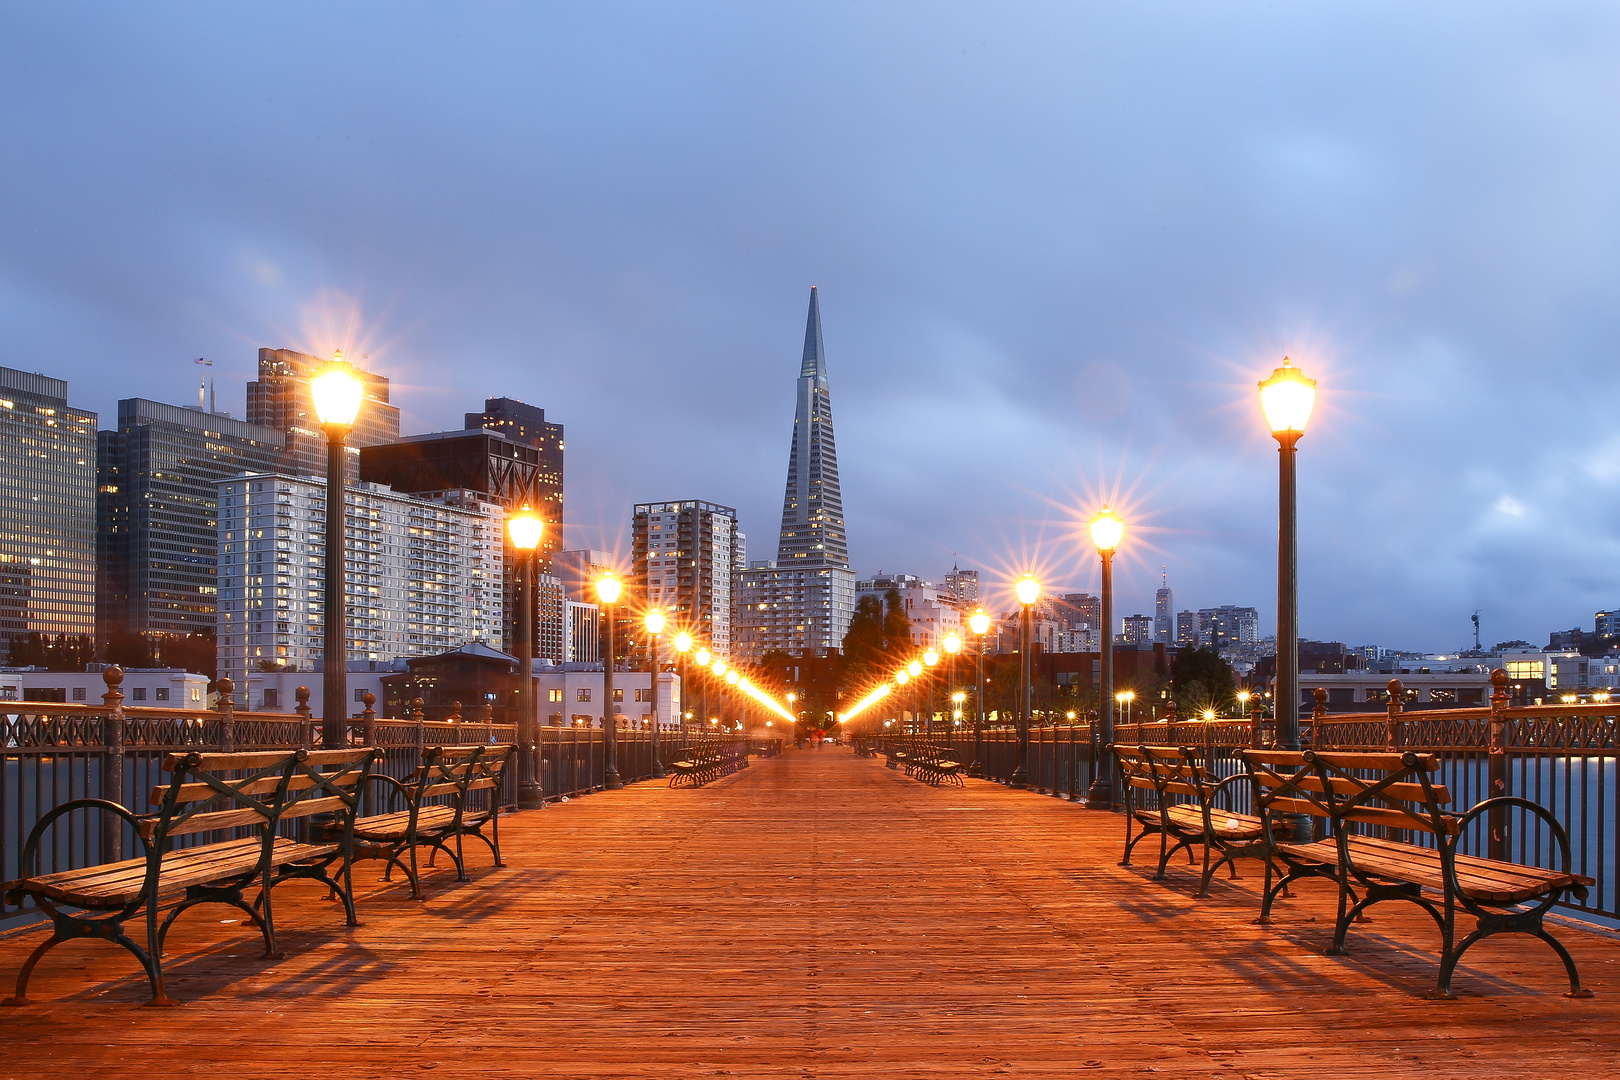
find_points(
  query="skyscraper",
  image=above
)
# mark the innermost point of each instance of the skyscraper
(684, 554)
(47, 509)
(157, 527)
(963, 585)
(803, 601)
(1164, 607)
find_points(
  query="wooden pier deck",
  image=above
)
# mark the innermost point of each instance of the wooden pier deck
(814, 916)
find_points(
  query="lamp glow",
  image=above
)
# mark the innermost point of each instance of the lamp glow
(1028, 590)
(683, 641)
(607, 589)
(731, 677)
(703, 657)
(930, 657)
(719, 667)
(915, 668)
(525, 528)
(979, 622)
(903, 677)
(1287, 399)
(1106, 531)
(337, 394)
(952, 644)
(655, 622)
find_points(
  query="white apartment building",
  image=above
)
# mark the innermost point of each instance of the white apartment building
(933, 612)
(687, 555)
(162, 688)
(423, 574)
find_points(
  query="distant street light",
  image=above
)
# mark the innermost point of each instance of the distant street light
(338, 394)
(655, 626)
(683, 645)
(703, 657)
(607, 591)
(524, 529)
(1106, 532)
(1028, 591)
(979, 623)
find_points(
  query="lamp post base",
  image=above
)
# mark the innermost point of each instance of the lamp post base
(1100, 795)
(611, 781)
(531, 796)
(658, 772)
(1020, 778)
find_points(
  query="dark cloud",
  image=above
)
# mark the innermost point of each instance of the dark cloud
(1056, 247)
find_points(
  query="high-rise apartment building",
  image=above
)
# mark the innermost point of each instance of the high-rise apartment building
(1227, 626)
(933, 613)
(962, 586)
(47, 509)
(684, 564)
(1137, 630)
(1164, 607)
(1188, 629)
(527, 424)
(157, 526)
(281, 400)
(423, 574)
(1080, 611)
(803, 601)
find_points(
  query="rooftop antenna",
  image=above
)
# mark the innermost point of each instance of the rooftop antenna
(202, 384)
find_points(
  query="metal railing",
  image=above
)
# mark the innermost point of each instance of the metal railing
(53, 753)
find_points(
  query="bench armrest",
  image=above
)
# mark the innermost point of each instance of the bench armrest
(28, 865)
(1503, 802)
(389, 781)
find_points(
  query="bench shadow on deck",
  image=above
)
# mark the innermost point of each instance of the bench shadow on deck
(815, 915)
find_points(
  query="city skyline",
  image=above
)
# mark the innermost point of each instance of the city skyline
(1032, 302)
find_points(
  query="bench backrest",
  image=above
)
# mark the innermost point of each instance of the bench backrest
(1392, 790)
(1171, 771)
(263, 788)
(457, 771)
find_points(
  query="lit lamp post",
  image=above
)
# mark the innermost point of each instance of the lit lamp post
(1125, 697)
(719, 669)
(703, 657)
(979, 623)
(931, 658)
(655, 626)
(793, 732)
(683, 645)
(1287, 398)
(1028, 590)
(736, 706)
(902, 677)
(524, 529)
(337, 395)
(1106, 531)
(607, 591)
(952, 644)
(915, 669)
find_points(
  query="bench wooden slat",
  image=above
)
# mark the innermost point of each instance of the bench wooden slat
(117, 884)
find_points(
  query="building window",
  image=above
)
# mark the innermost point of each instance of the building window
(582, 694)
(138, 694)
(554, 695)
(162, 693)
(618, 694)
(272, 698)
(78, 693)
(196, 694)
(360, 694)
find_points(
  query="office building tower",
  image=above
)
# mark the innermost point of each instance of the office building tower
(551, 621)
(281, 400)
(962, 586)
(1137, 630)
(583, 644)
(1080, 611)
(1164, 606)
(157, 526)
(933, 613)
(47, 510)
(684, 563)
(1227, 626)
(528, 425)
(423, 574)
(801, 603)
(1188, 629)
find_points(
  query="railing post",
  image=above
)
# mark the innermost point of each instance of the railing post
(368, 720)
(1257, 725)
(112, 766)
(227, 715)
(306, 740)
(1392, 726)
(1317, 715)
(418, 715)
(1497, 845)
(455, 721)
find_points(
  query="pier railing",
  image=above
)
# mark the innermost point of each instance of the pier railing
(52, 753)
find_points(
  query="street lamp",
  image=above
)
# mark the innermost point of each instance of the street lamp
(736, 705)
(655, 626)
(979, 623)
(1028, 590)
(703, 657)
(931, 658)
(1243, 697)
(952, 644)
(1125, 697)
(337, 395)
(524, 529)
(1106, 532)
(683, 645)
(607, 591)
(1287, 399)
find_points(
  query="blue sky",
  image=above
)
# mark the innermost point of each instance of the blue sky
(1057, 246)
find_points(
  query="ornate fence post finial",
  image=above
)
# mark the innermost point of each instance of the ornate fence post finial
(1318, 714)
(1497, 766)
(112, 767)
(418, 715)
(1392, 726)
(307, 737)
(227, 714)
(1257, 724)
(368, 720)
(1170, 712)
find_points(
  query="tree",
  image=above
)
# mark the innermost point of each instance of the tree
(1201, 680)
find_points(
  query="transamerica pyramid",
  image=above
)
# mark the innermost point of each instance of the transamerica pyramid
(813, 505)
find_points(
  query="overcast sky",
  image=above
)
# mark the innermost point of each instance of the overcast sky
(1057, 246)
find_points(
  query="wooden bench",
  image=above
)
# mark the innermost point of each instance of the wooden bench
(252, 793)
(696, 766)
(437, 811)
(1189, 805)
(1362, 795)
(934, 764)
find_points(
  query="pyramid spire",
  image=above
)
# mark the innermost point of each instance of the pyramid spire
(814, 365)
